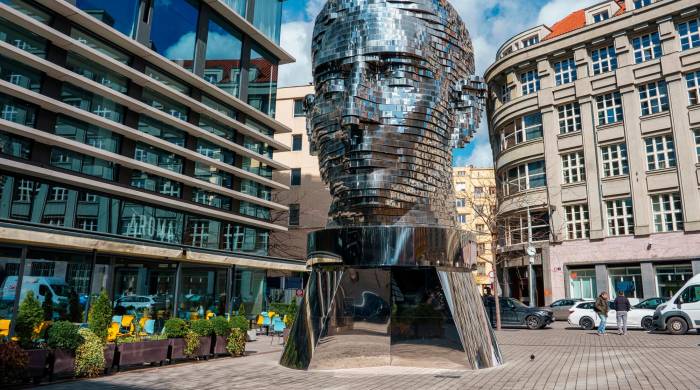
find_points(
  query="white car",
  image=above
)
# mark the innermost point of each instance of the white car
(583, 315)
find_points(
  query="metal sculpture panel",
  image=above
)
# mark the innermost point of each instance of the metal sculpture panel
(390, 281)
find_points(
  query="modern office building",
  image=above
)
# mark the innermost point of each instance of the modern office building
(475, 198)
(307, 198)
(595, 129)
(136, 153)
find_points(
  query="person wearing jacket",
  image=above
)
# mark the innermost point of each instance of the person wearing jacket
(622, 306)
(601, 307)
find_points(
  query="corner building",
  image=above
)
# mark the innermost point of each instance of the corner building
(136, 153)
(595, 130)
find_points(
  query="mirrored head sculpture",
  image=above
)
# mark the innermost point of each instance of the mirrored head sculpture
(390, 279)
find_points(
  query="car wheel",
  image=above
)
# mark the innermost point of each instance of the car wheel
(648, 323)
(676, 325)
(587, 323)
(532, 322)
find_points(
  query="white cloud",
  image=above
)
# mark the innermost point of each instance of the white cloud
(295, 37)
(183, 48)
(555, 10)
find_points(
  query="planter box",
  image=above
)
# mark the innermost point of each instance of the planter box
(62, 363)
(204, 347)
(110, 350)
(151, 351)
(252, 335)
(219, 346)
(37, 365)
(176, 350)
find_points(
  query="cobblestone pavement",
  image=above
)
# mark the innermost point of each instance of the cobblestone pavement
(564, 359)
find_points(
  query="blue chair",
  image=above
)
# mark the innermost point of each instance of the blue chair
(278, 328)
(150, 327)
(117, 319)
(266, 321)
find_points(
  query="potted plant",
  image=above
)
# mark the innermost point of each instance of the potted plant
(241, 322)
(175, 329)
(29, 318)
(99, 321)
(139, 350)
(89, 356)
(235, 343)
(13, 363)
(222, 328)
(63, 339)
(204, 330)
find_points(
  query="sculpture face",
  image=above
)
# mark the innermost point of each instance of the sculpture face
(393, 96)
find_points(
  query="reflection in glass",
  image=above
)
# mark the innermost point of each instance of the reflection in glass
(237, 5)
(173, 30)
(122, 15)
(249, 290)
(202, 293)
(262, 81)
(267, 17)
(222, 66)
(9, 270)
(22, 39)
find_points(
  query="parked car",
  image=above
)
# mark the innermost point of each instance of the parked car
(561, 308)
(651, 303)
(682, 312)
(583, 315)
(515, 313)
(139, 302)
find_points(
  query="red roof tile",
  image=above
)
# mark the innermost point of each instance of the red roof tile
(576, 20)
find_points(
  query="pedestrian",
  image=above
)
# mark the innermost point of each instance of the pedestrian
(622, 306)
(601, 307)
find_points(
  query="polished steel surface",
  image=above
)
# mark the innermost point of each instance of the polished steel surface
(395, 91)
(390, 280)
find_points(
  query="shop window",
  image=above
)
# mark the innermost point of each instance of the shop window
(671, 278)
(202, 293)
(628, 280)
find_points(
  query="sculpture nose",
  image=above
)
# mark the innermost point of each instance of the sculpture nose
(358, 100)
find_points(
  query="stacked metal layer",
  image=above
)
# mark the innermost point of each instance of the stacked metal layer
(395, 92)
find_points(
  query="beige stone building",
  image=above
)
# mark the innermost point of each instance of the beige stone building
(475, 198)
(308, 198)
(595, 130)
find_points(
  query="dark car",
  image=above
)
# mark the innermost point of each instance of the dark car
(651, 303)
(515, 313)
(561, 308)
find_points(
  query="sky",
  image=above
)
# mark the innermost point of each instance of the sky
(490, 23)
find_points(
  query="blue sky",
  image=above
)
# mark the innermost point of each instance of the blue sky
(490, 23)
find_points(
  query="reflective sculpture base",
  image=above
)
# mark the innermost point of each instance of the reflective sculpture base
(365, 312)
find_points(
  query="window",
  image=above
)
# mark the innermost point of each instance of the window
(296, 142)
(529, 82)
(121, 15)
(262, 80)
(577, 221)
(689, 34)
(529, 41)
(691, 294)
(505, 93)
(58, 194)
(667, 212)
(478, 192)
(523, 129)
(620, 217)
(603, 59)
(480, 249)
(609, 108)
(524, 177)
(614, 160)
(646, 47)
(573, 167)
(222, 61)
(697, 143)
(661, 152)
(692, 80)
(299, 107)
(565, 71)
(518, 226)
(89, 224)
(641, 3)
(296, 177)
(479, 227)
(42, 268)
(462, 218)
(267, 17)
(653, 97)
(569, 118)
(601, 16)
(173, 31)
(294, 214)
(459, 202)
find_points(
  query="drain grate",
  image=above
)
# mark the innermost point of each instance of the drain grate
(447, 376)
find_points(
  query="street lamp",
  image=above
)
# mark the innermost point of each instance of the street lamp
(531, 257)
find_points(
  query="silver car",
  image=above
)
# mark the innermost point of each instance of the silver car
(561, 308)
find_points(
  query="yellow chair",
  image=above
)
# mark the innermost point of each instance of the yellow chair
(142, 325)
(128, 324)
(271, 314)
(113, 331)
(210, 315)
(259, 322)
(194, 315)
(4, 328)
(41, 328)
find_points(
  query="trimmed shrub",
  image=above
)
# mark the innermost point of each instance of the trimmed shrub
(100, 316)
(241, 310)
(29, 317)
(221, 326)
(239, 322)
(64, 335)
(202, 327)
(89, 357)
(13, 362)
(175, 328)
(191, 343)
(235, 343)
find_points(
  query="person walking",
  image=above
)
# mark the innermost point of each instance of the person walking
(622, 306)
(601, 307)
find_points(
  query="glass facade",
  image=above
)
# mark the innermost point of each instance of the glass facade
(267, 17)
(222, 65)
(627, 279)
(202, 292)
(671, 278)
(174, 30)
(122, 15)
(262, 81)
(582, 284)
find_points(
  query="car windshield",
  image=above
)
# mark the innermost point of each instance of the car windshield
(516, 303)
(60, 289)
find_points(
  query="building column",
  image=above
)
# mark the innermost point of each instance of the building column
(696, 267)
(547, 275)
(648, 280)
(601, 278)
